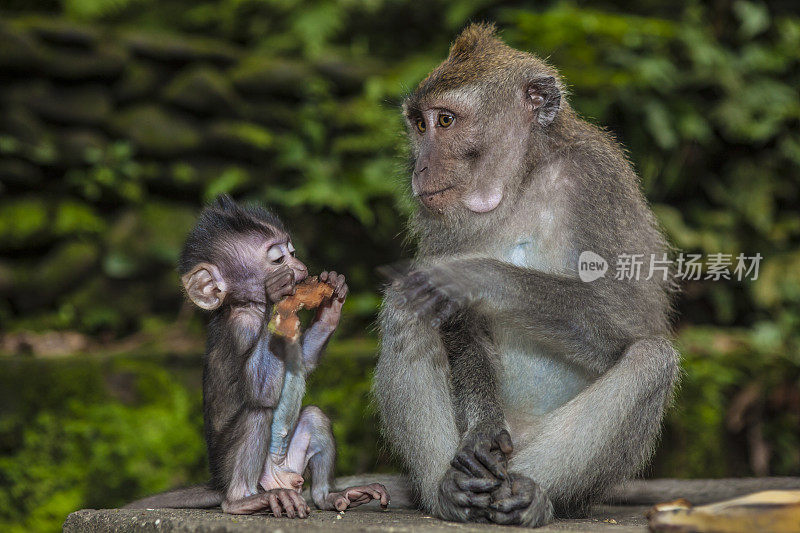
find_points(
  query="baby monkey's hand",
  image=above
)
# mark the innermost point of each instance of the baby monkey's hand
(279, 283)
(338, 283)
(329, 313)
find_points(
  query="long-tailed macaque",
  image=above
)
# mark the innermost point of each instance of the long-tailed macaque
(236, 263)
(511, 389)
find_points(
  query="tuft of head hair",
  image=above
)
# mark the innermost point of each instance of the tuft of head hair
(478, 57)
(221, 219)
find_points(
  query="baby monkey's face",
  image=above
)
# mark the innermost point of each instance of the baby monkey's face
(280, 256)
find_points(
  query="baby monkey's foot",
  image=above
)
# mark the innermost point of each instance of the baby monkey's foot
(355, 496)
(278, 501)
(287, 501)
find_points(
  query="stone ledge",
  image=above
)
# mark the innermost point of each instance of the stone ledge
(367, 519)
(627, 515)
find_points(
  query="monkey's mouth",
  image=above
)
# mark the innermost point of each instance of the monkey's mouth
(433, 193)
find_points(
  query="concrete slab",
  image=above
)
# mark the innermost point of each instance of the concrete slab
(625, 515)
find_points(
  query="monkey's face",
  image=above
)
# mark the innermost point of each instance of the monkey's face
(281, 254)
(255, 258)
(467, 152)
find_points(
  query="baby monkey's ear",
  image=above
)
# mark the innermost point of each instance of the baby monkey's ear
(205, 286)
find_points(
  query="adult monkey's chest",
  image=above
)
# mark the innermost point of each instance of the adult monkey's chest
(534, 379)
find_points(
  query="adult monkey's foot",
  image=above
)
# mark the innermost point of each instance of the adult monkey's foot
(484, 452)
(478, 469)
(464, 497)
(520, 501)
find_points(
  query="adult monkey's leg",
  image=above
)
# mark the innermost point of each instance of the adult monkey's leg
(413, 391)
(575, 452)
(484, 438)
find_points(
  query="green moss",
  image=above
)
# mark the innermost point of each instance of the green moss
(77, 218)
(239, 139)
(151, 233)
(62, 267)
(203, 90)
(22, 220)
(176, 48)
(60, 31)
(137, 81)
(105, 62)
(272, 77)
(19, 52)
(157, 131)
(134, 430)
(87, 104)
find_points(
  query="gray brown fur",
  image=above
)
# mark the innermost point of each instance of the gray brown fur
(567, 187)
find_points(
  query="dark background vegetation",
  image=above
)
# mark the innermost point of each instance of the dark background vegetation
(119, 118)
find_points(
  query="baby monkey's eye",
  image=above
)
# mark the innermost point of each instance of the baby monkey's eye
(291, 249)
(446, 119)
(275, 255)
(421, 125)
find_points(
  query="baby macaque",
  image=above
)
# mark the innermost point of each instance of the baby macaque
(237, 263)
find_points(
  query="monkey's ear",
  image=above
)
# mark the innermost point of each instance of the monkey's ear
(544, 99)
(205, 286)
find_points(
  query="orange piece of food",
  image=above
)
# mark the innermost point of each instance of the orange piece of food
(309, 294)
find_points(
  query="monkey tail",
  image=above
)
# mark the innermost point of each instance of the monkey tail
(196, 497)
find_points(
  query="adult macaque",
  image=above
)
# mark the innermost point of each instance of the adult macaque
(236, 263)
(511, 389)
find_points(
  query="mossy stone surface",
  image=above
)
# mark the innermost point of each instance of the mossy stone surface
(157, 131)
(180, 49)
(137, 81)
(204, 90)
(82, 105)
(269, 76)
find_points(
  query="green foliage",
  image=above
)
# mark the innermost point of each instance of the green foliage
(92, 433)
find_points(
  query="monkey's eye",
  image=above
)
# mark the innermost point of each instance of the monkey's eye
(445, 120)
(291, 249)
(421, 125)
(275, 255)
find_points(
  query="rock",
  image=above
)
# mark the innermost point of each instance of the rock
(156, 131)
(45, 344)
(272, 114)
(137, 81)
(268, 76)
(61, 31)
(83, 105)
(75, 145)
(19, 172)
(58, 271)
(203, 90)
(104, 63)
(180, 49)
(19, 52)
